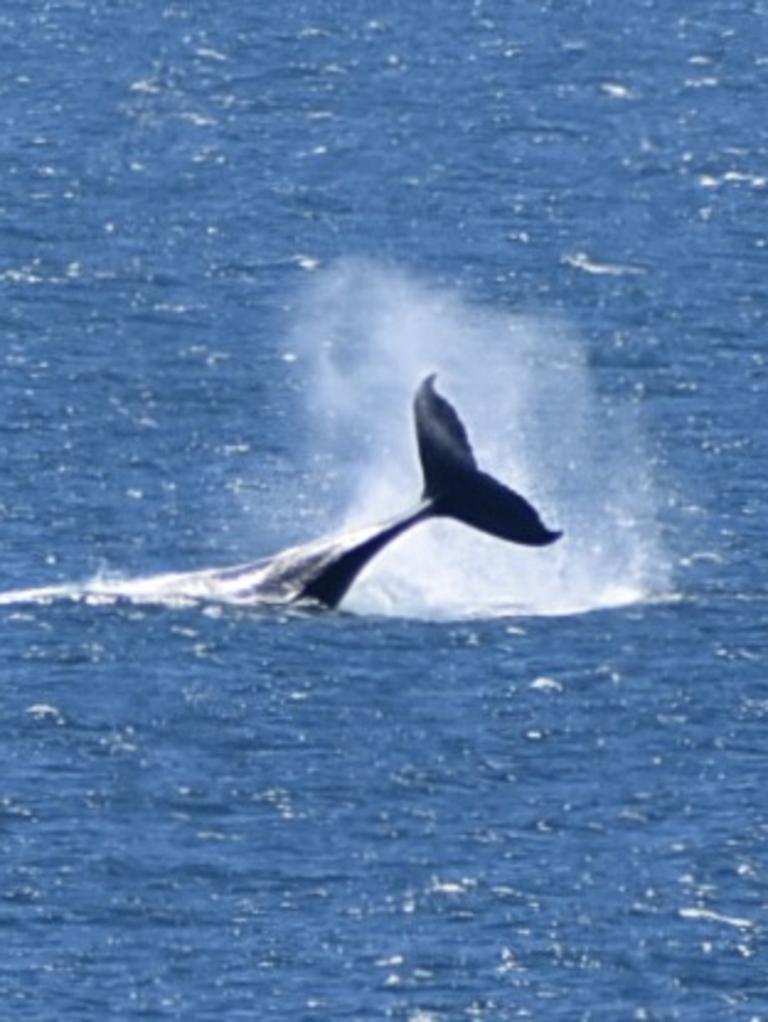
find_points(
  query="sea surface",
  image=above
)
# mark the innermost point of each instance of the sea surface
(499, 783)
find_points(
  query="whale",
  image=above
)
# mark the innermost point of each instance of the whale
(320, 573)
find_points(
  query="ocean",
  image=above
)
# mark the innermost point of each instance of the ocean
(498, 782)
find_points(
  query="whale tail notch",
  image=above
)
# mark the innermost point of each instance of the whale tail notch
(455, 486)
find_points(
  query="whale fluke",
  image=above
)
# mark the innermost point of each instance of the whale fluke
(453, 487)
(456, 486)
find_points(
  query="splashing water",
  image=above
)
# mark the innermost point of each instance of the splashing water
(366, 337)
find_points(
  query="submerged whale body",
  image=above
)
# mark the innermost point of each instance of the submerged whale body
(322, 572)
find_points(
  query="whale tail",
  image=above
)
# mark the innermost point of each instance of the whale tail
(456, 488)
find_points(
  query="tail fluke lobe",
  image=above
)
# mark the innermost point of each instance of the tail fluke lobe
(486, 504)
(444, 448)
(456, 486)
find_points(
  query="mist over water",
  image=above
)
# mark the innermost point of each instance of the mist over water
(366, 337)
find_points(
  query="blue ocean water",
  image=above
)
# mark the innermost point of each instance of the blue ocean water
(499, 783)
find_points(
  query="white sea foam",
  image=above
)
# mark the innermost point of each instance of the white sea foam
(715, 917)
